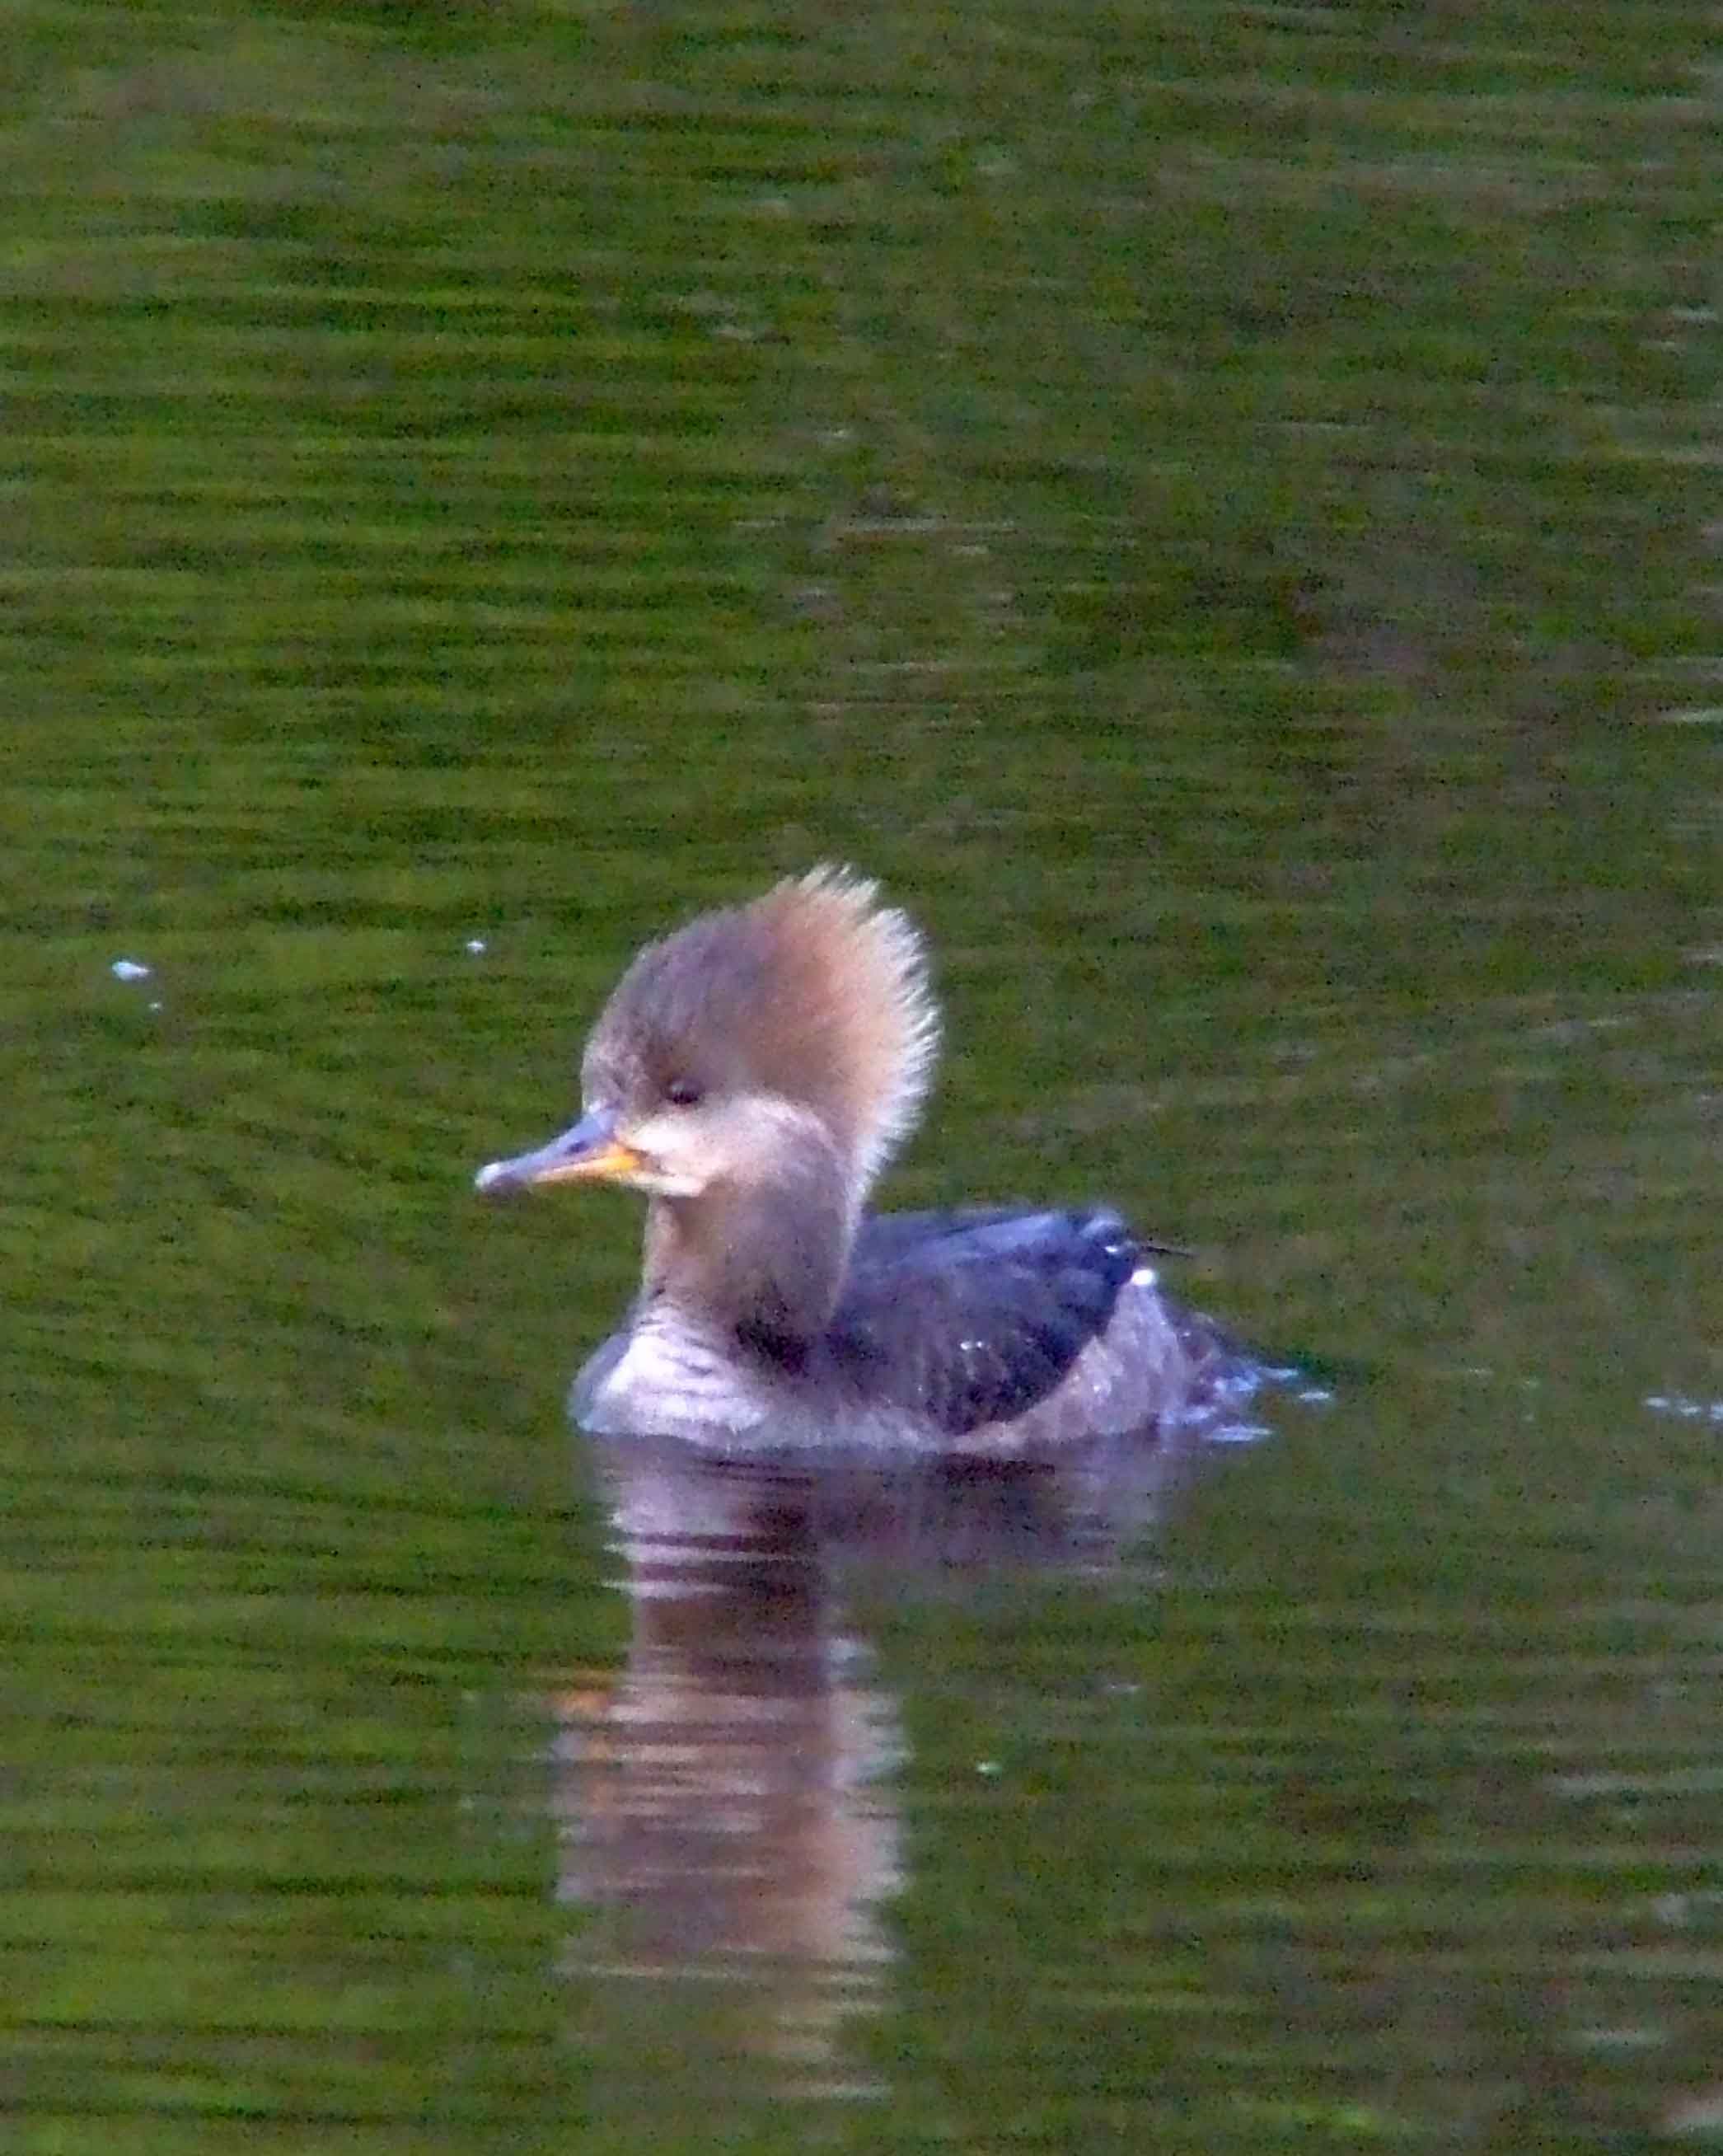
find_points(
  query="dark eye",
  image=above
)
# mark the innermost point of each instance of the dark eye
(685, 1093)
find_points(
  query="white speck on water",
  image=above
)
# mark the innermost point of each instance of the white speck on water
(1684, 1408)
(476, 946)
(128, 969)
(1683, 1911)
(1236, 1433)
(1626, 2038)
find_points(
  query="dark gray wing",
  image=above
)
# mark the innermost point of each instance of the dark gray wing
(971, 1317)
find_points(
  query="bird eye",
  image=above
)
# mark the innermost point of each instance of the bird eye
(683, 1093)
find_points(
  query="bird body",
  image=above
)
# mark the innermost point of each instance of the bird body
(752, 1074)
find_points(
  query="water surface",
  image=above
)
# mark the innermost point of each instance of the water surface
(1217, 507)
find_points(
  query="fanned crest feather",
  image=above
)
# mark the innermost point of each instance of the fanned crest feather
(815, 992)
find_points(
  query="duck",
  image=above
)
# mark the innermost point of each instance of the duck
(751, 1074)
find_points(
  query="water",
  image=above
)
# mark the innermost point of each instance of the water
(1216, 509)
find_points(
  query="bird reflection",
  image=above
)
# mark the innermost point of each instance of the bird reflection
(726, 1809)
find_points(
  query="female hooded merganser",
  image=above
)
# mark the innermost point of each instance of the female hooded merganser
(752, 1074)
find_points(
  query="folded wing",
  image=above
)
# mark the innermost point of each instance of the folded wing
(972, 1318)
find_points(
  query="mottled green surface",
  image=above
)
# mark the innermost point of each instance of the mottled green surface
(1216, 505)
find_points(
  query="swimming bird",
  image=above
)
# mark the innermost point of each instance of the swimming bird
(752, 1074)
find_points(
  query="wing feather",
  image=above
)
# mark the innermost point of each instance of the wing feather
(973, 1317)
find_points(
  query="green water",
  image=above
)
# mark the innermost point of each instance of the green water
(1216, 506)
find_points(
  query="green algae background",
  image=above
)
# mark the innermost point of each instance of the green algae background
(1219, 507)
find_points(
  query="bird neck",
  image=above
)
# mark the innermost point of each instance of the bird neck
(764, 1261)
